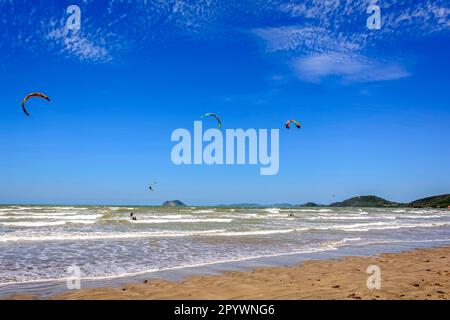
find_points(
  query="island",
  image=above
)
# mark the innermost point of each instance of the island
(365, 201)
(173, 203)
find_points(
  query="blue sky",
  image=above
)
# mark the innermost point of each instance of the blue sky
(374, 104)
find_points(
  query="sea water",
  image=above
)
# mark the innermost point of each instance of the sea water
(39, 243)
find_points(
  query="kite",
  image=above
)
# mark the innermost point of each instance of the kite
(215, 116)
(152, 187)
(288, 124)
(34, 94)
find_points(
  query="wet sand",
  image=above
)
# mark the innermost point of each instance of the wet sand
(419, 274)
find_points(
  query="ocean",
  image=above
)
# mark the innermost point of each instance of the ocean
(39, 243)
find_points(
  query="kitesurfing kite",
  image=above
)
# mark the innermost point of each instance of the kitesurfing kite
(215, 116)
(34, 94)
(152, 187)
(288, 124)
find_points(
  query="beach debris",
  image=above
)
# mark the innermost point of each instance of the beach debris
(31, 95)
(288, 124)
(209, 114)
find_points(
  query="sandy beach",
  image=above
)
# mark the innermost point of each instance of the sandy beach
(419, 274)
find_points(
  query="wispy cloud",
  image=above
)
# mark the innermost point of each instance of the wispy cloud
(77, 45)
(408, 18)
(108, 30)
(305, 39)
(330, 38)
(349, 68)
(294, 29)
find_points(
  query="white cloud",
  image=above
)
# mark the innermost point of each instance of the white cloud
(316, 68)
(110, 30)
(77, 45)
(330, 38)
(306, 39)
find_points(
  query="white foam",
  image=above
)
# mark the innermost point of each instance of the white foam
(56, 217)
(168, 216)
(338, 218)
(248, 216)
(345, 240)
(322, 247)
(211, 220)
(258, 232)
(205, 211)
(69, 208)
(33, 224)
(36, 224)
(388, 217)
(312, 210)
(363, 227)
(419, 216)
(81, 221)
(54, 213)
(419, 211)
(102, 236)
(132, 235)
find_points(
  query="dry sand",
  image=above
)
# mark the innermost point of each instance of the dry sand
(419, 274)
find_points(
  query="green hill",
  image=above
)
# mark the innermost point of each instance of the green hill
(311, 204)
(365, 201)
(441, 201)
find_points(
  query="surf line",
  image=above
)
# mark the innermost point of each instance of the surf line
(233, 151)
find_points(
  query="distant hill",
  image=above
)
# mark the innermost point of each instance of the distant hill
(284, 205)
(365, 201)
(311, 204)
(441, 201)
(173, 203)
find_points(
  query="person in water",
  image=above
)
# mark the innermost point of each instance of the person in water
(132, 216)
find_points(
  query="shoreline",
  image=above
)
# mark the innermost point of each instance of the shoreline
(417, 274)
